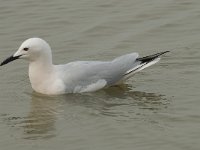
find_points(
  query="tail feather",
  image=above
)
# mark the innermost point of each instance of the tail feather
(144, 63)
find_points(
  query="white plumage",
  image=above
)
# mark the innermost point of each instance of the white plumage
(78, 76)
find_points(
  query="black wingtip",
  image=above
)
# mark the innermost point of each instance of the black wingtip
(151, 57)
(161, 53)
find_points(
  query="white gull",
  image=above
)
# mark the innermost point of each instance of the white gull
(77, 76)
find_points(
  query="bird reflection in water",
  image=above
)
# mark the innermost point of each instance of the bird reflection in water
(119, 103)
(40, 122)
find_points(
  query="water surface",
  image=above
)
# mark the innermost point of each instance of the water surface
(157, 109)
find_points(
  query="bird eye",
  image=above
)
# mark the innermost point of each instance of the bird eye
(25, 49)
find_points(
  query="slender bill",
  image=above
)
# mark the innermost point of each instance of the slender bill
(9, 59)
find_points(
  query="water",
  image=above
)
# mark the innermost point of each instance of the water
(157, 109)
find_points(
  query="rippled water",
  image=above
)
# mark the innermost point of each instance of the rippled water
(157, 109)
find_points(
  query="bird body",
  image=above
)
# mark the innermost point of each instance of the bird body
(77, 76)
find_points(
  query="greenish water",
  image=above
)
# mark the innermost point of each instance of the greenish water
(157, 109)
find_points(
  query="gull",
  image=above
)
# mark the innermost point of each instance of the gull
(77, 76)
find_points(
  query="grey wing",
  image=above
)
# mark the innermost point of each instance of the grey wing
(84, 76)
(114, 71)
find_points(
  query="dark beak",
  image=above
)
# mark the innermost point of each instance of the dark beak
(9, 59)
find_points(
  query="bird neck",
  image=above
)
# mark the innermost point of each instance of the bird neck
(41, 66)
(40, 73)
